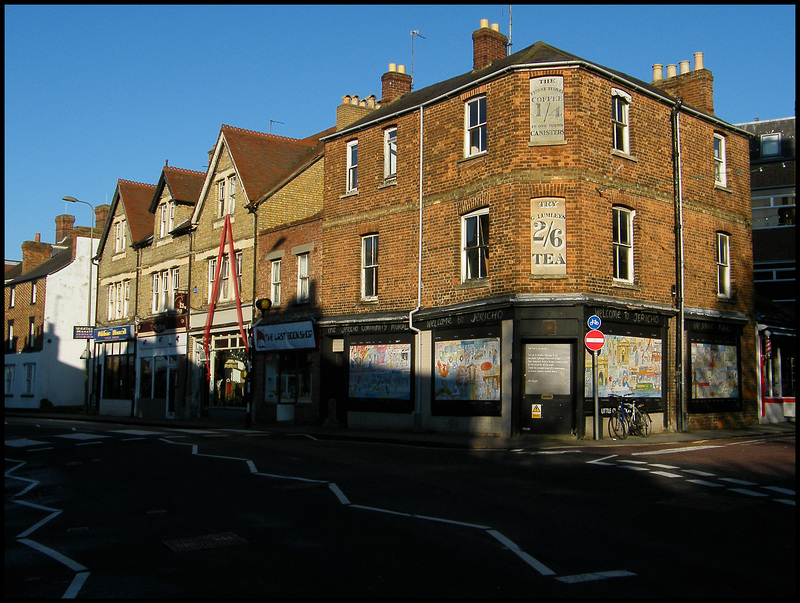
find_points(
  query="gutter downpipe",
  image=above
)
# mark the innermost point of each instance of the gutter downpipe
(680, 352)
(418, 334)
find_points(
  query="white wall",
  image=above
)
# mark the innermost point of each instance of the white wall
(63, 373)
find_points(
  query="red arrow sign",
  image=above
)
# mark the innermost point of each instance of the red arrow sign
(594, 340)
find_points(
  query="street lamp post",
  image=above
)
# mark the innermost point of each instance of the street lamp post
(88, 352)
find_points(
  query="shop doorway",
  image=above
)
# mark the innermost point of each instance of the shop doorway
(548, 384)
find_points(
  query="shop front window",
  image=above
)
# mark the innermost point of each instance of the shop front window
(287, 378)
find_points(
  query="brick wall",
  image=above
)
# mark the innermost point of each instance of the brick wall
(584, 171)
(21, 313)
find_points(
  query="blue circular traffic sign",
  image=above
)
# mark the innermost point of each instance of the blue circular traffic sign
(594, 321)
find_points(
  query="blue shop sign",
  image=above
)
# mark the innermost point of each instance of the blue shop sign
(113, 333)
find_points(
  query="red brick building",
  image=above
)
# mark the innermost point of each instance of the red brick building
(471, 228)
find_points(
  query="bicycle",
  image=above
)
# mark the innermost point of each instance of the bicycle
(639, 421)
(618, 424)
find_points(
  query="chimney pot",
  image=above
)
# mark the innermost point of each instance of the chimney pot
(684, 67)
(392, 67)
(658, 72)
(488, 45)
(672, 70)
(401, 69)
(698, 61)
(38, 237)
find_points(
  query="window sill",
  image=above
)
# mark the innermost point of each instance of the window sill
(371, 301)
(220, 222)
(626, 285)
(475, 283)
(351, 193)
(388, 182)
(475, 156)
(623, 155)
(722, 187)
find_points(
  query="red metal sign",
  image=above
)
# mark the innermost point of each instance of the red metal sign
(594, 340)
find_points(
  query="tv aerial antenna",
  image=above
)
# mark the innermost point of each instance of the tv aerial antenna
(414, 32)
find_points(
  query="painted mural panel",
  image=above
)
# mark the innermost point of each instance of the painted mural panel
(626, 366)
(715, 372)
(467, 369)
(380, 371)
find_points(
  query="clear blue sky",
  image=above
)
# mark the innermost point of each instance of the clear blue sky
(97, 93)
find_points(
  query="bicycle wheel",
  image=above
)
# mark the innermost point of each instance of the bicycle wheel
(647, 424)
(617, 427)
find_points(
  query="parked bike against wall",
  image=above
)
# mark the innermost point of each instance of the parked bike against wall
(628, 417)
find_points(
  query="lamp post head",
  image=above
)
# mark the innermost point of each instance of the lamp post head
(70, 199)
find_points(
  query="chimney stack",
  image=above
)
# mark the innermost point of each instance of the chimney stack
(488, 45)
(352, 109)
(100, 216)
(35, 253)
(394, 83)
(65, 225)
(696, 87)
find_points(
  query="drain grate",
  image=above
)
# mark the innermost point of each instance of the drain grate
(200, 543)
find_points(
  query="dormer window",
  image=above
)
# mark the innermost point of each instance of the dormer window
(771, 145)
(226, 203)
(119, 236)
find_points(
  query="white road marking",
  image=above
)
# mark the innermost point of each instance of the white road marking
(81, 436)
(748, 492)
(780, 490)
(705, 483)
(594, 576)
(666, 474)
(673, 450)
(22, 443)
(741, 482)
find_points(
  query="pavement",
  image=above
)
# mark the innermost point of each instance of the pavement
(441, 440)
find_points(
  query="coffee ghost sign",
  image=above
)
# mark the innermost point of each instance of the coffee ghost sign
(284, 336)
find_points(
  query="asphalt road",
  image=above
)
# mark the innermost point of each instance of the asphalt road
(107, 510)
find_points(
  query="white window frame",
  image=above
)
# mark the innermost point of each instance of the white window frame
(275, 282)
(175, 278)
(110, 301)
(119, 302)
(12, 296)
(163, 221)
(127, 298)
(220, 198)
(156, 286)
(33, 292)
(352, 166)
(623, 244)
(10, 379)
(31, 332)
(10, 327)
(231, 194)
(117, 237)
(369, 267)
(171, 222)
(165, 290)
(720, 161)
(390, 153)
(723, 257)
(30, 379)
(302, 278)
(475, 250)
(475, 131)
(620, 121)
(225, 278)
(239, 257)
(212, 269)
